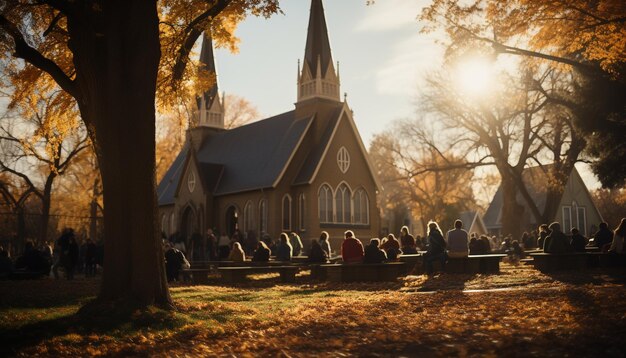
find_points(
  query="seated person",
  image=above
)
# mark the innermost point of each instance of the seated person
(6, 265)
(351, 248)
(317, 254)
(474, 246)
(516, 253)
(457, 241)
(506, 245)
(436, 248)
(284, 250)
(237, 254)
(174, 262)
(578, 242)
(484, 245)
(325, 244)
(617, 244)
(373, 253)
(296, 244)
(391, 246)
(262, 253)
(603, 237)
(407, 241)
(557, 242)
(33, 261)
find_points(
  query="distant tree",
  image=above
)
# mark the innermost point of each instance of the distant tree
(588, 36)
(517, 127)
(611, 203)
(239, 111)
(39, 145)
(112, 58)
(408, 172)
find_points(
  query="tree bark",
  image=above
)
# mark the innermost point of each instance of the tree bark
(511, 210)
(116, 56)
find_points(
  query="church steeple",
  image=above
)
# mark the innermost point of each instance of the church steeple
(318, 77)
(209, 111)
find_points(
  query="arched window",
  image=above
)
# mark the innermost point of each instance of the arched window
(287, 212)
(342, 204)
(361, 207)
(172, 224)
(325, 204)
(248, 217)
(164, 225)
(343, 159)
(301, 212)
(263, 216)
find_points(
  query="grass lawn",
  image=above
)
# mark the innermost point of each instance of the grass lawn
(517, 313)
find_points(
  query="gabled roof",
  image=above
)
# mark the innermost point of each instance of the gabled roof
(471, 218)
(250, 157)
(536, 179)
(313, 162)
(254, 156)
(166, 190)
(317, 42)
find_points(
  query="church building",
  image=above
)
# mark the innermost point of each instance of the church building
(305, 170)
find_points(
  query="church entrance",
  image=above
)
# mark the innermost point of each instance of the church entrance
(188, 225)
(232, 217)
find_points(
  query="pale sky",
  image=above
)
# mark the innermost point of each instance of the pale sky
(382, 54)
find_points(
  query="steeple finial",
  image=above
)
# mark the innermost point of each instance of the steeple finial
(209, 111)
(318, 60)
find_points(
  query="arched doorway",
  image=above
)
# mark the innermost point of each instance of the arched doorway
(232, 220)
(188, 224)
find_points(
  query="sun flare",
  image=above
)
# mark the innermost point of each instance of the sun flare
(474, 76)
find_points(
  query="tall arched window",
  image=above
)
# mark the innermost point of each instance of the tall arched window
(301, 212)
(248, 217)
(342, 204)
(361, 207)
(287, 212)
(164, 224)
(325, 204)
(263, 216)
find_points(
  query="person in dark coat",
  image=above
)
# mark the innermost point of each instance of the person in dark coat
(90, 258)
(174, 261)
(484, 245)
(577, 241)
(603, 237)
(391, 246)
(6, 265)
(72, 261)
(474, 246)
(324, 243)
(407, 241)
(373, 253)
(284, 251)
(436, 248)
(32, 261)
(317, 254)
(262, 253)
(557, 242)
(543, 233)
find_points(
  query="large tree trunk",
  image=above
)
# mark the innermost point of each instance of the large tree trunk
(117, 52)
(511, 210)
(46, 200)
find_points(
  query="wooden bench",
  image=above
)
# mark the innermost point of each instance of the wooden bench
(362, 272)
(550, 262)
(412, 263)
(604, 260)
(474, 264)
(239, 274)
(197, 276)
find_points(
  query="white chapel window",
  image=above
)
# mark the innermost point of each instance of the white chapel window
(343, 159)
(191, 181)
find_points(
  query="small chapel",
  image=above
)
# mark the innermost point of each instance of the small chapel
(303, 171)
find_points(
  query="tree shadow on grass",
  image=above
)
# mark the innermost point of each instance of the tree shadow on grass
(113, 320)
(598, 276)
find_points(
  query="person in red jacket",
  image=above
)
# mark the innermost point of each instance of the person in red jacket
(351, 249)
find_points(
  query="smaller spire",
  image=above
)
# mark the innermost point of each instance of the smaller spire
(210, 109)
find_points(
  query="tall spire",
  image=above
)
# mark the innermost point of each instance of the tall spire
(318, 77)
(209, 109)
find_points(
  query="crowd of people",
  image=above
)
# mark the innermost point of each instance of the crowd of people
(66, 256)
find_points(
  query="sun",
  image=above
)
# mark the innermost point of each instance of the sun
(474, 76)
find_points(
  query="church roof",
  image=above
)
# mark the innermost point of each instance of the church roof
(246, 158)
(254, 156)
(317, 42)
(317, 153)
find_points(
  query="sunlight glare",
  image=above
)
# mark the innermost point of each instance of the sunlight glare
(474, 76)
